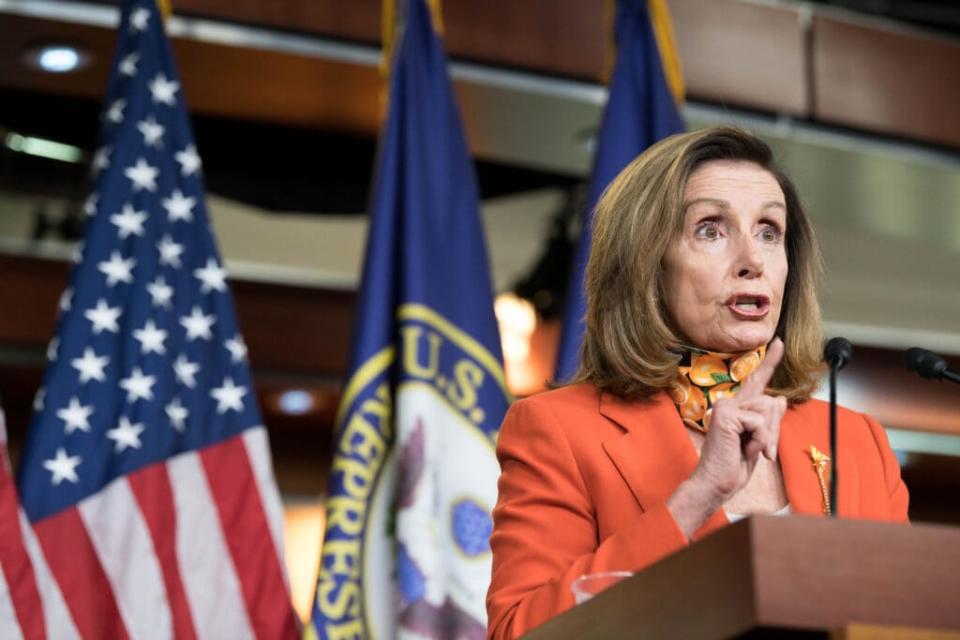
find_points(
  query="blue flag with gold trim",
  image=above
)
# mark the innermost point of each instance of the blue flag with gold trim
(641, 109)
(414, 473)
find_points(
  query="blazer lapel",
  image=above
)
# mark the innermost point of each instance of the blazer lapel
(655, 454)
(798, 432)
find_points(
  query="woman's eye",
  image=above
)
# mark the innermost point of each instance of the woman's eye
(770, 234)
(707, 231)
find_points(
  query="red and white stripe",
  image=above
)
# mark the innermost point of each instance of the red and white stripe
(21, 610)
(187, 548)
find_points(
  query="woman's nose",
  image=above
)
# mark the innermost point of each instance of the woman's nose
(749, 259)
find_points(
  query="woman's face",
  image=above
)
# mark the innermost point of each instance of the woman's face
(724, 273)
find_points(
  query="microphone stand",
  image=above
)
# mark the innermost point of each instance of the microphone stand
(833, 439)
(951, 376)
(837, 353)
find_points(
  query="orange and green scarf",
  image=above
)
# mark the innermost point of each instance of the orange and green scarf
(703, 377)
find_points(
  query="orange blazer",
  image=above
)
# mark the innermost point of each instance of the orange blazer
(585, 478)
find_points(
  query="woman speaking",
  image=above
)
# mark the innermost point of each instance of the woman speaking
(691, 407)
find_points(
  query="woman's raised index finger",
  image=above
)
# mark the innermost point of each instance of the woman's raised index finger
(757, 382)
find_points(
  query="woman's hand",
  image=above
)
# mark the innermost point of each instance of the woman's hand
(742, 428)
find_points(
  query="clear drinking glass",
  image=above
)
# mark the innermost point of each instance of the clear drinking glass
(589, 585)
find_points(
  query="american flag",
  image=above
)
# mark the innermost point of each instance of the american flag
(19, 597)
(146, 475)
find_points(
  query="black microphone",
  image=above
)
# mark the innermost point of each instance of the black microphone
(929, 365)
(837, 354)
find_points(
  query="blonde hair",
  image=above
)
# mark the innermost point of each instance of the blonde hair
(630, 344)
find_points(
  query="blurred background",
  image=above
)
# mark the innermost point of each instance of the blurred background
(859, 98)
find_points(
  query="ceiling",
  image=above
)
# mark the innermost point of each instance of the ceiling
(286, 121)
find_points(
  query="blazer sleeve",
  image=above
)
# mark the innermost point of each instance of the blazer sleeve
(545, 533)
(896, 490)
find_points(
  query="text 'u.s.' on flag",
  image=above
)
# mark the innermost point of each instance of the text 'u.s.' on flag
(406, 552)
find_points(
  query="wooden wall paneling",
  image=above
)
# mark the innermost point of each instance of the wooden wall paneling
(279, 87)
(743, 53)
(30, 290)
(217, 79)
(559, 37)
(886, 79)
(351, 20)
(291, 329)
(563, 37)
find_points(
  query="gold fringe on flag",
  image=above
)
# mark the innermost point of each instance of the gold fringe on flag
(609, 51)
(436, 15)
(165, 9)
(667, 45)
(388, 28)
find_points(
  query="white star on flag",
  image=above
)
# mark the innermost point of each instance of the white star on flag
(178, 414)
(169, 251)
(142, 176)
(103, 317)
(151, 338)
(152, 132)
(189, 160)
(125, 435)
(198, 325)
(77, 256)
(179, 207)
(162, 90)
(91, 366)
(140, 350)
(117, 269)
(212, 277)
(186, 371)
(129, 221)
(66, 299)
(237, 348)
(115, 112)
(75, 416)
(39, 398)
(228, 396)
(90, 205)
(160, 292)
(139, 19)
(63, 467)
(138, 386)
(101, 159)
(52, 348)
(128, 66)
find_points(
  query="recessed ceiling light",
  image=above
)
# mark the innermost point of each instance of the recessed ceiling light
(57, 58)
(296, 402)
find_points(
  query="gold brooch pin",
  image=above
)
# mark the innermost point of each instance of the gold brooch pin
(820, 461)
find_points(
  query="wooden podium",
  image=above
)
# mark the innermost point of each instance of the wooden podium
(785, 577)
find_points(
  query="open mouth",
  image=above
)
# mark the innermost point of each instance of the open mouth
(749, 307)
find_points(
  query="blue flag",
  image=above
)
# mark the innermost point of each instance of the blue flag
(640, 111)
(414, 471)
(146, 472)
